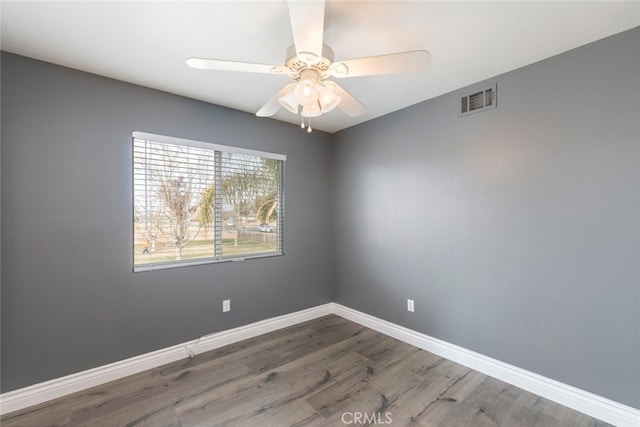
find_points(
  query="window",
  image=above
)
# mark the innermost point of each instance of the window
(196, 203)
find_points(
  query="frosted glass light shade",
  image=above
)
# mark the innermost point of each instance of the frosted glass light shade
(289, 102)
(311, 110)
(305, 92)
(328, 100)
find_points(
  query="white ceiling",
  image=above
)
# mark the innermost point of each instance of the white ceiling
(146, 43)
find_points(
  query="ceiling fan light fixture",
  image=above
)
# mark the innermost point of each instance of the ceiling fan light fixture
(309, 63)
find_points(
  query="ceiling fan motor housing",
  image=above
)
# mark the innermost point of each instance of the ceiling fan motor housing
(297, 64)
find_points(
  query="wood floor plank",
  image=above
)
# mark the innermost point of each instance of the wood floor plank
(337, 395)
(324, 372)
(268, 392)
(292, 349)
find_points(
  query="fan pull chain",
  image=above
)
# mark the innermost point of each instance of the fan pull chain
(308, 126)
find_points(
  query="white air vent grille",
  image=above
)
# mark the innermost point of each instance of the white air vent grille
(478, 100)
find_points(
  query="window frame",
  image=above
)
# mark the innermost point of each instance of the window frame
(223, 149)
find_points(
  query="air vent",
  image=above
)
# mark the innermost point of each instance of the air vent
(478, 100)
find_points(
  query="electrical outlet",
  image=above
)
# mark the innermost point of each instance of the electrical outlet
(410, 306)
(226, 305)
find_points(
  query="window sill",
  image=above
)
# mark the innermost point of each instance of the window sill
(201, 261)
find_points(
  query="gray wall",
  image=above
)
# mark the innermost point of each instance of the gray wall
(69, 298)
(516, 230)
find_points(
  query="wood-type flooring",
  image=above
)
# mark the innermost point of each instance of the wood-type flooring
(325, 372)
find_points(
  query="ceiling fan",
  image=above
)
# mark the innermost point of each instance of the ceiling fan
(310, 63)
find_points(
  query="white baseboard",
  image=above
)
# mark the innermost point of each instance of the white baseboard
(588, 403)
(58, 387)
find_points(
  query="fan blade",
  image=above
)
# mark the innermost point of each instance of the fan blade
(221, 65)
(273, 105)
(415, 60)
(348, 104)
(307, 24)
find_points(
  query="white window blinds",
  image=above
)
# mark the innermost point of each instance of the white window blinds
(196, 202)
